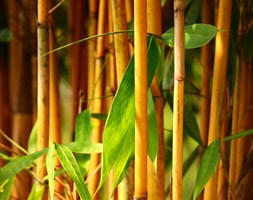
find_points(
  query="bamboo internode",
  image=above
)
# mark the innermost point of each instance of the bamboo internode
(141, 96)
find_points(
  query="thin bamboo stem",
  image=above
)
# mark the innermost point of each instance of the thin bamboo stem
(206, 60)
(235, 129)
(120, 41)
(54, 111)
(141, 95)
(92, 30)
(43, 85)
(219, 79)
(178, 102)
(99, 91)
(156, 180)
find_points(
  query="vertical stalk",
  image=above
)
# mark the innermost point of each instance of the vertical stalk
(240, 145)
(156, 180)
(178, 102)
(20, 94)
(120, 40)
(206, 60)
(54, 111)
(76, 23)
(92, 30)
(235, 128)
(141, 115)
(219, 79)
(43, 85)
(98, 103)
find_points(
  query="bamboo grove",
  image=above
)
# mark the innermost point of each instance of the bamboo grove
(126, 99)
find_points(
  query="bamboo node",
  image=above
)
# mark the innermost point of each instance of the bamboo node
(42, 26)
(179, 6)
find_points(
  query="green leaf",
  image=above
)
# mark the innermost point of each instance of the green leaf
(118, 134)
(32, 141)
(193, 12)
(5, 35)
(5, 192)
(208, 165)
(37, 192)
(85, 148)
(50, 169)
(152, 130)
(99, 116)
(191, 127)
(238, 135)
(18, 164)
(83, 127)
(196, 35)
(69, 163)
(82, 135)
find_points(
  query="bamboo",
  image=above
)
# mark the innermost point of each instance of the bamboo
(54, 111)
(129, 18)
(156, 180)
(77, 64)
(98, 103)
(92, 30)
(120, 40)
(141, 118)
(112, 66)
(43, 85)
(222, 190)
(178, 102)
(219, 79)
(20, 94)
(206, 61)
(235, 128)
(240, 148)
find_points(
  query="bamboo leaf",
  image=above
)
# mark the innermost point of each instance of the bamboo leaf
(32, 141)
(99, 116)
(238, 135)
(37, 192)
(196, 35)
(83, 127)
(50, 169)
(82, 135)
(208, 165)
(84, 147)
(18, 164)
(5, 35)
(69, 163)
(5, 192)
(152, 130)
(119, 128)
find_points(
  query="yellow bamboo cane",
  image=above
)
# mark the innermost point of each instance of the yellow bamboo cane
(43, 85)
(219, 78)
(92, 30)
(54, 111)
(178, 102)
(206, 61)
(98, 103)
(141, 118)
(156, 180)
